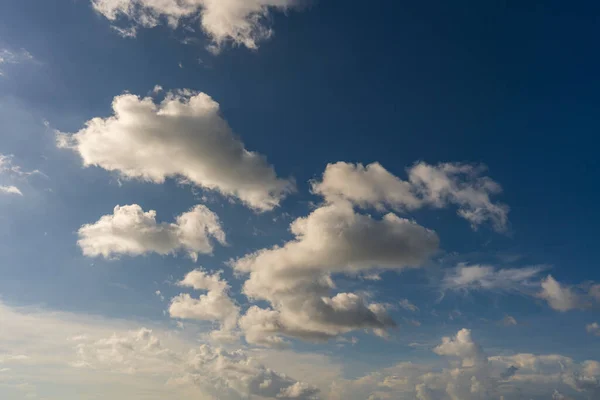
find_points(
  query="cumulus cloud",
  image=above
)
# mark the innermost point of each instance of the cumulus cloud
(183, 136)
(485, 277)
(476, 376)
(215, 305)
(560, 297)
(131, 231)
(296, 278)
(242, 22)
(117, 359)
(427, 185)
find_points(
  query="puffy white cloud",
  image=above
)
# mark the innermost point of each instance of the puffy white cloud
(463, 347)
(243, 22)
(131, 231)
(215, 305)
(296, 278)
(427, 185)
(485, 277)
(10, 190)
(477, 377)
(593, 328)
(560, 297)
(183, 136)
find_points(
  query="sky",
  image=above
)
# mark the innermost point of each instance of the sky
(299, 199)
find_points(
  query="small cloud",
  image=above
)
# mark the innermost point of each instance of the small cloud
(407, 305)
(508, 321)
(593, 329)
(10, 190)
(159, 294)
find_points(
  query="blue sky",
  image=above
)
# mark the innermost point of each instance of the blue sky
(341, 188)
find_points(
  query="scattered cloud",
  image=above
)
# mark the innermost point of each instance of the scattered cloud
(131, 231)
(466, 278)
(407, 305)
(593, 329)
(427, 185)
(183, 137)
(508, 320)
(560, 297)
(215, 305)
(241, 22)
(10, 190)
(473, 375)
(8, 57)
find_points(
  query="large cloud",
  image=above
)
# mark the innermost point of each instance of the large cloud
(215, 305)
(476, 376)
(183, 136)
(243, 22)
(131, 231)
(427, 185)
(50, 353)
(296, 278)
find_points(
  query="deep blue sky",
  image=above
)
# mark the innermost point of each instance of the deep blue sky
(510, 84)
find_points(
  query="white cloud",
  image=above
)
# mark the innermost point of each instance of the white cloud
(428, 185)
(14, 57)
(484, 277)
(131, 231)
(560, 297)
(509, 320)
(215, 305)
(407, 305)
(476, 377)
(463, 347)
(10, 190)
(56, 352)
(593, 328)
(296, 278)
(242, 22)
(184, 137)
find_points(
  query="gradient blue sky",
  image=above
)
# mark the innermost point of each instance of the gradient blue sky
(510, 85)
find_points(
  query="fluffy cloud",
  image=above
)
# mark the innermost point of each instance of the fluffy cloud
(53, 352)
(183, 136)
(477, 376)
(131, 231)
(484, 277)
(296, 278)
(462, 347)
(215, 305)
(560, 297)
(10, 190)
(243, 22)
(427, 185)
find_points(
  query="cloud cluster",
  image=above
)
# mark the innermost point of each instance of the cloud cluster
(115, 359)
(183, 136)
(427, 185)
(473, 375)
(296, 278)
(131, 231)
(215, 305)
(242, 22)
